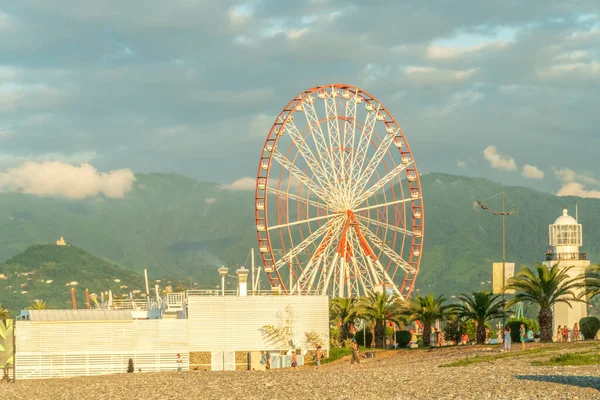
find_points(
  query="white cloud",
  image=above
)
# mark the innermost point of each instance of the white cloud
(210, 200)
(574, 183)
(295, 33)
(572, 56)
(437, 52)
(532, 172)
(9, 160)
(260, 125)
(499, 161)
(577, 189)
(461, 164)
(55, 178)
(567, 175)
(245, 183)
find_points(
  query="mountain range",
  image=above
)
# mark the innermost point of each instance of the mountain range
(178, 227)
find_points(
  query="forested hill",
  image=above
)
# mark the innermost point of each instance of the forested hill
(48, 272)
(179, 227)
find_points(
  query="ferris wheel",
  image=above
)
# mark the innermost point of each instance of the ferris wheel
(338, 201)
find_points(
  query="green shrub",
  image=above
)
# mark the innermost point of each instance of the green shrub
(359, 337)
(529, 323)
(453, 330)
(589, 327)
(515, 334)
(403, 338)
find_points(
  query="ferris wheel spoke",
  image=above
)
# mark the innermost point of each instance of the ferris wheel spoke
(360, 155)
(391, 203)
(287, 258)
(366, 175)
(333, 131)
(320, 141)
(387, 250)
(386, 226)
(348, 140)
(299, 199)
(303, 221)
(318, 171)
(298, 174)
(382, 182)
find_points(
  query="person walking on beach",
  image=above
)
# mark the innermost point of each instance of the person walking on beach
(179, 362)
(355, 358)
(268, 361)
(263, 359)
(294, 361)
(318, 355)
(522, 335)
(575, 332)
(507, 339)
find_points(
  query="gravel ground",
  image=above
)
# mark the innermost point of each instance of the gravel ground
(392, 375)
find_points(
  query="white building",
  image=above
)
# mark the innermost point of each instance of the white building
(565, 239)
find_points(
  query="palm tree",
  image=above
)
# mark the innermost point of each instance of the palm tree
(378, 308)
(38, 305)
(545, 287)
(480, 307)
(3, 312)
(427, 309)
(343, 313)
(591, 282)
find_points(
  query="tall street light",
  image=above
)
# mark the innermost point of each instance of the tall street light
(223, 272)
(503, 214)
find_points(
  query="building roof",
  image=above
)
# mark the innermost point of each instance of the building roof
(565, 219)
(77, 315)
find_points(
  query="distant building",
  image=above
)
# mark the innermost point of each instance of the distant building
(565, 239)
(61, 242)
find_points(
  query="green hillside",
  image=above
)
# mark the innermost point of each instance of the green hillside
(179, 227)
(46, 272)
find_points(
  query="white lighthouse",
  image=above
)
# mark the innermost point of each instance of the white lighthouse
(565, 239)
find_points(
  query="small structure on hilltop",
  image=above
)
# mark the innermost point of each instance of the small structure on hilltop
(565, 239)
(61, 242)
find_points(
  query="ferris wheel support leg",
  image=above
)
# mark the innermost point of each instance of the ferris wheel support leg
(329, 273)
(360, 277)
(387, 277)
(374, 278)
(342, 277)
(314, 273)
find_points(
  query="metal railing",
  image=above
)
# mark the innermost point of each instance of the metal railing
(199, 292)
(565, 256)
(134, 305)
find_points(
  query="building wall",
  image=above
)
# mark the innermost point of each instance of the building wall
(562, 313)
(60, 349)
(233, 323)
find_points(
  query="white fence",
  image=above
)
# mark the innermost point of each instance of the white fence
(233, 323)
(60, 349)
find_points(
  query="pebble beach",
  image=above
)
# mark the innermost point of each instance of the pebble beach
(391, 375)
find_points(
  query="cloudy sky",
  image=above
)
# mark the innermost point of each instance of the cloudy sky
(507, 90)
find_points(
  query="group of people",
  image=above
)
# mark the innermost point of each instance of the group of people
(265, 359)
(563, 334)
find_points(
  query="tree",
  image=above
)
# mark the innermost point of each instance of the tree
(479, 307)
(378, 308)
(545, 287)
(591, 282)
(343, 313)
(3, 312)
(427, 309)
(38, 305)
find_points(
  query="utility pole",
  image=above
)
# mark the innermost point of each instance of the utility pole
(503, 214)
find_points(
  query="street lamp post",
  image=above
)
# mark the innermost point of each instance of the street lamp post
(503, 214)
(223, 272)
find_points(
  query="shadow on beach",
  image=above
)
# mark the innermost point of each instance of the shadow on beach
(573, 380)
